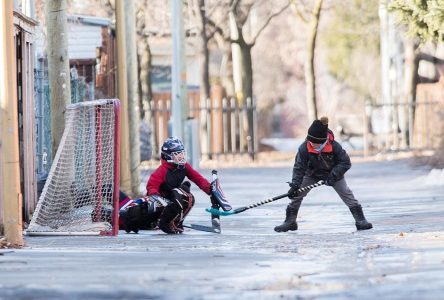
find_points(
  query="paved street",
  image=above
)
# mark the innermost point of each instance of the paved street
(401, 258)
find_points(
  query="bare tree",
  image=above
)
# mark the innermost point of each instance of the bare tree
(243, 40)
(144, 62)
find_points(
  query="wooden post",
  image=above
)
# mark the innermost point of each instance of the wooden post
(58, 67)
(122, 92)
(10, 195)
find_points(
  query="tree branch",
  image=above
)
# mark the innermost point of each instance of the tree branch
(430, 58)
(234, 4)
(298, 12)
(268, 22)
(248, 8)
(216, 29)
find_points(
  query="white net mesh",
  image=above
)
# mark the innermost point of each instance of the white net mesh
(78, 194)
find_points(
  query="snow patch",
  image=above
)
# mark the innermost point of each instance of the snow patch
(434, 178)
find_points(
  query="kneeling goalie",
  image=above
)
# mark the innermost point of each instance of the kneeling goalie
(168, 199)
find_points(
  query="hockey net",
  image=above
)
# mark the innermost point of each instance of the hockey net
(80, 196)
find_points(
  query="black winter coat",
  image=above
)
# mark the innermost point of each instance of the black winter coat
(319, 166)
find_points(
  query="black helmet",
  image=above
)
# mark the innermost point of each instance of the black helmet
(173, 151)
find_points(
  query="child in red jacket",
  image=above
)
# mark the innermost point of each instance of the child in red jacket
(166, 186)
(168, 199)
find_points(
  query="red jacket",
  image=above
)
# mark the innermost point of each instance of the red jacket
(168, 176)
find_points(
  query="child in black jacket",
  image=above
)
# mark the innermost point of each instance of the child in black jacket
(320, 157)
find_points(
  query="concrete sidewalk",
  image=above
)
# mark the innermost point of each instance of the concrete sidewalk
(401, 258)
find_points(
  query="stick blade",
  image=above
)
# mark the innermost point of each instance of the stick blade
(202, 228)
(215, 211)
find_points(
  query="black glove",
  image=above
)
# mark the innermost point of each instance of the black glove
(330, 181)
(293, 191)
(167, 190)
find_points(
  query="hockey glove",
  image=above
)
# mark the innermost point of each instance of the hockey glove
(293, 191)
(218, 196)
(330, 181)
(133, 217)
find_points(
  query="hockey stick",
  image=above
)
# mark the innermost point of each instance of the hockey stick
(244, 208)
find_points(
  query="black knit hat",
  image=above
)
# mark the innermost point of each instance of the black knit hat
(317, 133)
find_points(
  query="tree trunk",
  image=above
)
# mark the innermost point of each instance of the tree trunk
(238, 77)
(226, 66)
(58, 67)
(145, 96)
(410, 81)
(145, 92)
(243, 86)
(133, 101)
(310, 79)
(235, 33)
(122, 88)
(248, 92)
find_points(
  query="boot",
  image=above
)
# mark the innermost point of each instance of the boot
(361, 222)
(290, 221)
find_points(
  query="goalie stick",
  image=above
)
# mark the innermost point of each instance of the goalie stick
(244, 208)
(201, 228)
(218, 200)
(215, 204)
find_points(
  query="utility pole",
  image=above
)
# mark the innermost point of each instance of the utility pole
(181, 126)
(178, 73)
(10, 194)
(58, 67)
(122, 92)
(133, 97)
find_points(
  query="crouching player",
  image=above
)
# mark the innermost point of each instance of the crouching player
(168, 199)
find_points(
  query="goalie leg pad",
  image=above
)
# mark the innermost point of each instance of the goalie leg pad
(170, 215)
(135, 217)
(173, 215)
(187, 201)
(129, 219)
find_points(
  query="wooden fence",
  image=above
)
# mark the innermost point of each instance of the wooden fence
(226, 126)
(428, 122)
(417, 126)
